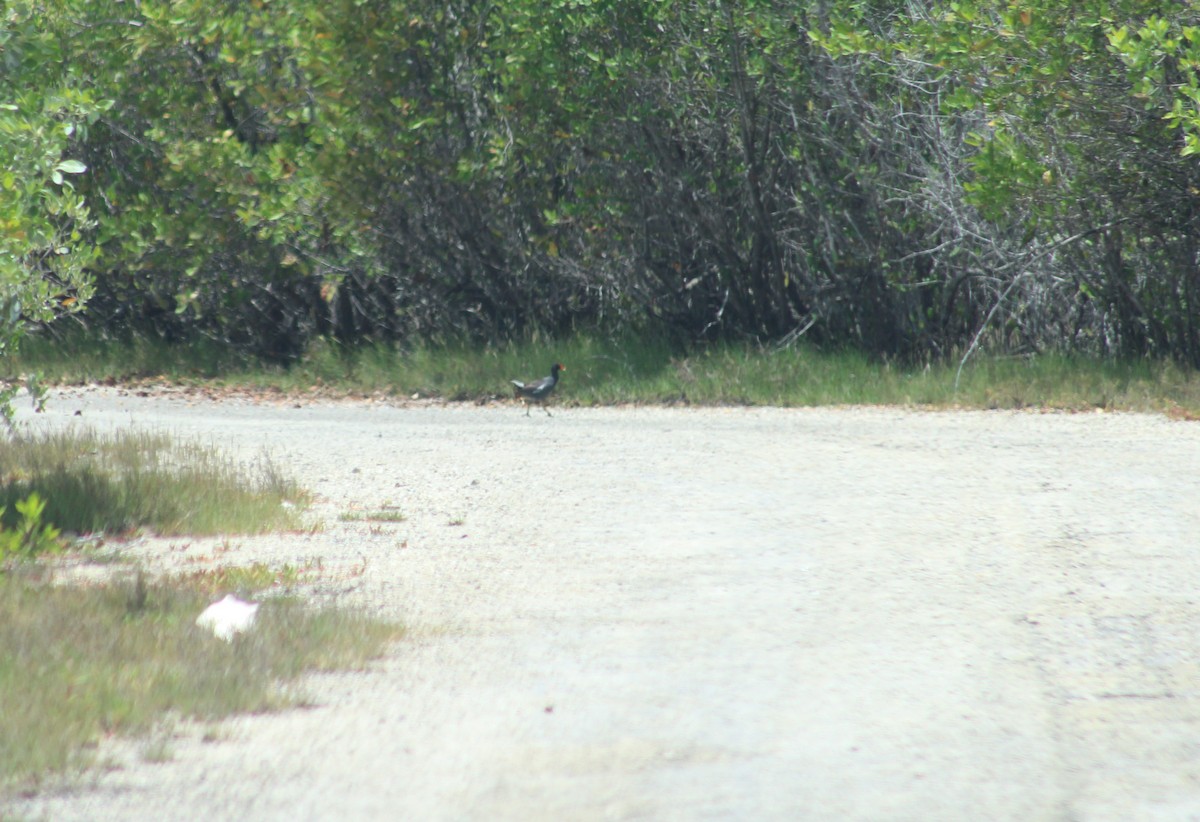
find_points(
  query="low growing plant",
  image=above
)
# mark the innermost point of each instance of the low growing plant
(30, 536)
(251, 579)
(385, 514)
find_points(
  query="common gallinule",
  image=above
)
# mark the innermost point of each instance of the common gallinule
(538, 391)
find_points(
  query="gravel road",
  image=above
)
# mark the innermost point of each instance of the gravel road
(719, 614)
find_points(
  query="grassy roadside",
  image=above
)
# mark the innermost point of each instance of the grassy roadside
(602, 371)
(84, 661)
(121, 482)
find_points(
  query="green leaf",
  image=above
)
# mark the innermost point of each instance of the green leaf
(71, 167)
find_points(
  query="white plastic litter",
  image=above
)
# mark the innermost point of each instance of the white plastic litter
(228, 617)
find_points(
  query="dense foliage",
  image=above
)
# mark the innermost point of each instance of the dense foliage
(907, 179)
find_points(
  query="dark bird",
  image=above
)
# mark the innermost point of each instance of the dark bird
(538, 391)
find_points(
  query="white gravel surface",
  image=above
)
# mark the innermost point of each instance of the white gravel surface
(721, 614)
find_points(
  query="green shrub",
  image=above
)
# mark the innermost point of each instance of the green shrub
(30, 536)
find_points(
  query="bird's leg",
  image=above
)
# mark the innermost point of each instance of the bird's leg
(547, 410)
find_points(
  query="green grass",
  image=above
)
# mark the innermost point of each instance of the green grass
(245, 580)
(74, 357)
(130, 480)
(645, 369)
(805, 378)
(384, 514)
(83, 663)
(78, 664)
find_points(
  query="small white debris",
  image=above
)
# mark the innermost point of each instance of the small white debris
(228, 617)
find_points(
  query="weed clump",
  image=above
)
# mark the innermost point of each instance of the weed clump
(92, 482)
